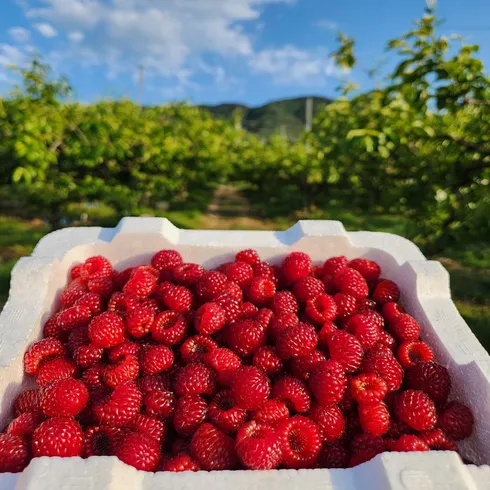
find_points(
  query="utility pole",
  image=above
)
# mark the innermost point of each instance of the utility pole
(140, 84)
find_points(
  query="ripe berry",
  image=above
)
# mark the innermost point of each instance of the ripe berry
(364, 329)
(25, 424)
(307, 288)
(416, 409)
(437, 440)
(334, 264)
(122, 304)
(327, 330)
(56, 369)
(182, 462)
(351, 282)
(329, 420)
(92, 301)
(73, 317)
(88, 355)
(362, 456)
(328, 382)
(281, 322)
(58, 436)
(106, 330)
(301, 367)
(245, 336)
(139, 322)
(241, 273)
(14, 453)
(380, 360)
(346, 305)
(213, 449)
(125, 369)
(320, 309)
(190, 413)
(456, 421)
(224, 414)
(40, 352)
(187, 274)
(368, 388)
(73, 292)
(195, 349)
(296, 341)
(168, 327)
(284, 302)
(375, 418)
(151, 426)
(409, 443)
(386, 291)
(346, 350)
(405, 328)
(63, 398)
(120, 406)
(141, 283)
(387, 340)
(296, 266)
(391, 310)
(95, 267)
(140, 451)
(271, 411)
(432, 378)
(225, 362)
(159, 403)
(369, 269)
(250, 387)
(266, 358)
(178, 298)
(411, 353)
(367, 441)
(101, 286)
(195, 379)
(209, 318)
(27, 401)
(156, 358)
(211, 285)
(333, 455)
(261, 291)
(293, 392)
(248, 256)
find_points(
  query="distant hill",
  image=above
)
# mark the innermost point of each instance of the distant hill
(286, 116)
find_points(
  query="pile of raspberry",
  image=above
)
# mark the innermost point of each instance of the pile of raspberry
(171, 367)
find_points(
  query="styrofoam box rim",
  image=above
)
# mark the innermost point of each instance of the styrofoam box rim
(37, 280)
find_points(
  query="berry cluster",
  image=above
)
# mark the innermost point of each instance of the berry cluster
(171, 367)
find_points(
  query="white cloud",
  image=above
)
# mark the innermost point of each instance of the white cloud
(46, 30)
(327, 24)
(10, 55)
(76, 36)
(19, 34)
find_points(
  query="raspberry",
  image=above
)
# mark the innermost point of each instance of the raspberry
(120, 406)
(119, 279)
(195, 349)
(77, 338)
(416, 409)
(302, 367)
(296, 341)
(92, 301)
(350, 281)
(432, 378)
(209, 319)
(258, 446)
(102, 286)
(250, 387)
(346, 305)
(383, 363)
(248, 310)
(225, 362)
(456, 421)
(334, 264)
(168, 327)
(248, 256)
(180, 446)
(148, 383)
(411, 353)
(271, 411)
(125, 369)
(156, 358)
(233, 290)
(73, 317)
(329, 420)
(300, 442)
(195, 379)
(321, 309)
(264, 317)
(367, 441)
(328, 329)
(101, 440)
(296, 266)
(224, 414)
(58, 436)
(211, 285)
(159, 403)
(187, 274)
(405, 327)
(179, 299)
(213, 449)
(263, 269)
(281, 322)
(124, 349)
(328, 382)
(307, 288)
(122, 304)
(106, 330)
(375, 418)
(362, 456)
(230, 305)
(241, 273)
(346, 350)
(25, 424)
(92, 377)
(368, 388)
(261, 291)
(437, 440)
(386, 291)
(266, 358)
(284, 302)
(182, 462)
(150, 426)
(14, 453)
(409, 443)
(140, 451)
(141, 283)
(293, 392)
(333, 455)
(40, 352)
(75, 271)
(364, 329)
(166, 260)
(245, 336)
(387, 340)
(190, 413)
(73, 292)
(87, 355)
(95, 267)
(52, 329)
(63, 398)
(27, 401)
(139, 322)
(56, 369)
(397, 429)
(366, 304)
(369, 269)
(391, 311)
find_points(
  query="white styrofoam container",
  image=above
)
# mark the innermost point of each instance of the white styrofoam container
(38, 279)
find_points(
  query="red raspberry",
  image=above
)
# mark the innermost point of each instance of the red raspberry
(405, 327)
(233, 290)
(432, 378)
(169, 327)
(106, 330)
(124, 349)
(77, 338)
(156, 358)
(14, 453)
(346, 350)
(27, 401)
(245, 336)
(122, 304)
(296, 266)
(437, 440)
(63, 398)
(348, 402)
(73, 317)
(328, 382)
(213, 449)
(263, 269)
(456, 421)
(366, 304)
(209, 319)
(334, 264)
(416, 409)
(40, 352)
(300, 442)
(166, 260)
(182, 462)
(281, 322)
(180, 446)
(120, 406)
(125, 369)
(266, 358)
(321, 309)
(195, 349)
(87, 355)
(95, 267)
(148, 383)
(102, 286)
(230, 305)
(250, 387)
(362, 456)
(386, 291)
(150, 426)
(73, 292)
(52, 329)
(333, 455)
(190, 413)
(258, 446)
(92, 377)
(346, 305)
(139, 322)
(224, 414)
(391, 311)
(211, 285)
(225, 362)
(75, 271)
(329, 420)
(241, 273)
(140, 451)
(367, 441)
(248, 310)
(408, 444)
(374, 317)
(293, 392)
(328, 329)
(195, 379)
(101, 440)
(351, 282)
(249, 256)
(187, 274)
(329, 284)
(302, 367)
(159, 403)
(368, 388)
(264, 317)
(375, 418)
(119, 279)
(284, 302)
(397, 429)
(25, 424)
(92, 301)
(364, 329)
(411, 353)
(308, 287)
(141, 283)
(56, 369)
(58, 436)
(296, 341)
(178, 298)
(387, 340)
(261, 291)
(383, 363)
(369, 269)
(271, 411)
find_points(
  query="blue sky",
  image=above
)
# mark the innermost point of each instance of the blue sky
(212, 51)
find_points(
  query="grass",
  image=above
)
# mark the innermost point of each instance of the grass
(469, 265)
